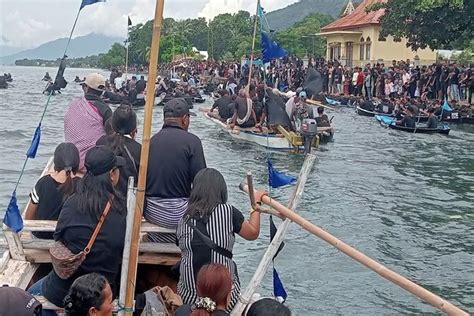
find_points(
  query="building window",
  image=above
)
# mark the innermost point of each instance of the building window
(368, 45)
(397, 39)
(362, 48)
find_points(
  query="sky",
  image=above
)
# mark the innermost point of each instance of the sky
(29, 23)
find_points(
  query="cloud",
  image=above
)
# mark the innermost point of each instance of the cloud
(31, 23)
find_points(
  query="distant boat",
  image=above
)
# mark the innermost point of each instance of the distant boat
(390, 123)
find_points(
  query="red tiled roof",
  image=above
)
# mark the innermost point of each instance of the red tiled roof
(357, 18)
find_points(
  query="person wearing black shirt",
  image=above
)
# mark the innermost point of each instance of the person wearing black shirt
(78, 220)
(52, 190)
(432, 119)
(224, 105)
(407, 120)
(176, 156)
(140, 85)
(122, 142)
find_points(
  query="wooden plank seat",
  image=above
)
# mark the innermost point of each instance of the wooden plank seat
(37, 250)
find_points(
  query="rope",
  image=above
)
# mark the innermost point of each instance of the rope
(46, 105)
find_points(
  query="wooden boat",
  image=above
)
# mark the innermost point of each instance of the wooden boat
(365, 112)
(282, 141)
(26, 259)
(390, 123)
(458, 118)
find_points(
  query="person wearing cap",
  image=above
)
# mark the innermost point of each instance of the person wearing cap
(122, 142)
(78, 219)
(86, 116)
(176, 156)
(18, 302)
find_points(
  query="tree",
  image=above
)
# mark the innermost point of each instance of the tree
(114, 57)
(436, 24)
(299, 38)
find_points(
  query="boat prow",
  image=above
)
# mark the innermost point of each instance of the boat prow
(390, 123)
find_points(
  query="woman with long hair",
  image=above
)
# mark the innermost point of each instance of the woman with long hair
(78, 220)
(89, 295)
(206, 234)
(52, 190)
(122, 142)
(213, 286)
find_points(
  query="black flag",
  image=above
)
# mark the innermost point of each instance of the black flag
(129, 22)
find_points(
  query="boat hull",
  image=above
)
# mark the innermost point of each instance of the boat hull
(418, 130)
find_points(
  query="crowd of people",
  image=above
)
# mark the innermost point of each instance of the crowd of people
(86, 193)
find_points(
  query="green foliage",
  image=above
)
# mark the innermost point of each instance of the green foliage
(82, 62)
(467, 56)
(299, 38)
(438, 24)
(114, 57)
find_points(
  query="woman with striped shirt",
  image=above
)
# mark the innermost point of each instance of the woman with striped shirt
(206, 234)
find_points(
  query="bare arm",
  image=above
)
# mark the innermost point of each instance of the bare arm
(251, 227)
(31, 210)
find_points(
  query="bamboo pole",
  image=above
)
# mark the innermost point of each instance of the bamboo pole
(140, 198)
(277, 239)
(370, 263)
(126, 248)
(253, 46)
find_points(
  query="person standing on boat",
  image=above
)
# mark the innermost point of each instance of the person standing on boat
(176, 156)
(122, 142)
(78, 220)
(206, 234)
(52, 190)
(86, 116)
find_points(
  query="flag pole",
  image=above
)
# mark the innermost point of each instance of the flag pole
(126, 52)
(72, 31)
(253, 46)
(140, 198)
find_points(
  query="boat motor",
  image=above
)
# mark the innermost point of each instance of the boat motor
(309, 130)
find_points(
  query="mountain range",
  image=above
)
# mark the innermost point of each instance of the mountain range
(287, 16)
(94, 44)
(82, 46)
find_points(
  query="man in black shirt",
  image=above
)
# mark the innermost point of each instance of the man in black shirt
(140, 85)
(407, 120)
(432, 119)
(224, 105)
(176, 156)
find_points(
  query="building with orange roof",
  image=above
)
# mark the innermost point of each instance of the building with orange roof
(355, 40)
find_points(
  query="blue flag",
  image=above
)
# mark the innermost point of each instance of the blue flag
(88, 2)
(270, 49)
(31, 153)
(278, 289)
(260, 11)
(13, 217)
(278, 179)
(446, 106)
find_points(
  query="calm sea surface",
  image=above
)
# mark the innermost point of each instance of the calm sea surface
(405, 200)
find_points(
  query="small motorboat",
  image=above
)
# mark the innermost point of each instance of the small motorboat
(390, 123)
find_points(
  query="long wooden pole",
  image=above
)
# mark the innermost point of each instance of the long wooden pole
(253, 46)
(126, 248)
(150, 97)
(277, 239)
(370, 263)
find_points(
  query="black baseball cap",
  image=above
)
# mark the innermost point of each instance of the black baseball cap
(101, 159)
(18, 302)
(177, 107)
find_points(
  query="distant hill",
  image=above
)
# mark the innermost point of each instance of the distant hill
(82, 46)
(286, 17)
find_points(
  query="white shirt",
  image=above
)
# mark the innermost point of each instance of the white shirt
(118, 83)
(406, 77)
(354, 78)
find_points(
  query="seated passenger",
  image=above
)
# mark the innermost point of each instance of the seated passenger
(89, 295)
(213, 287)
(210, 220)
(225, 106)
(268, 307)
(122, 142)
(78, 220)
(244, 114)
(407, 120)
(432, 119)
(52, 190)
(85, 118)
(322, 119)
(176, 156)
